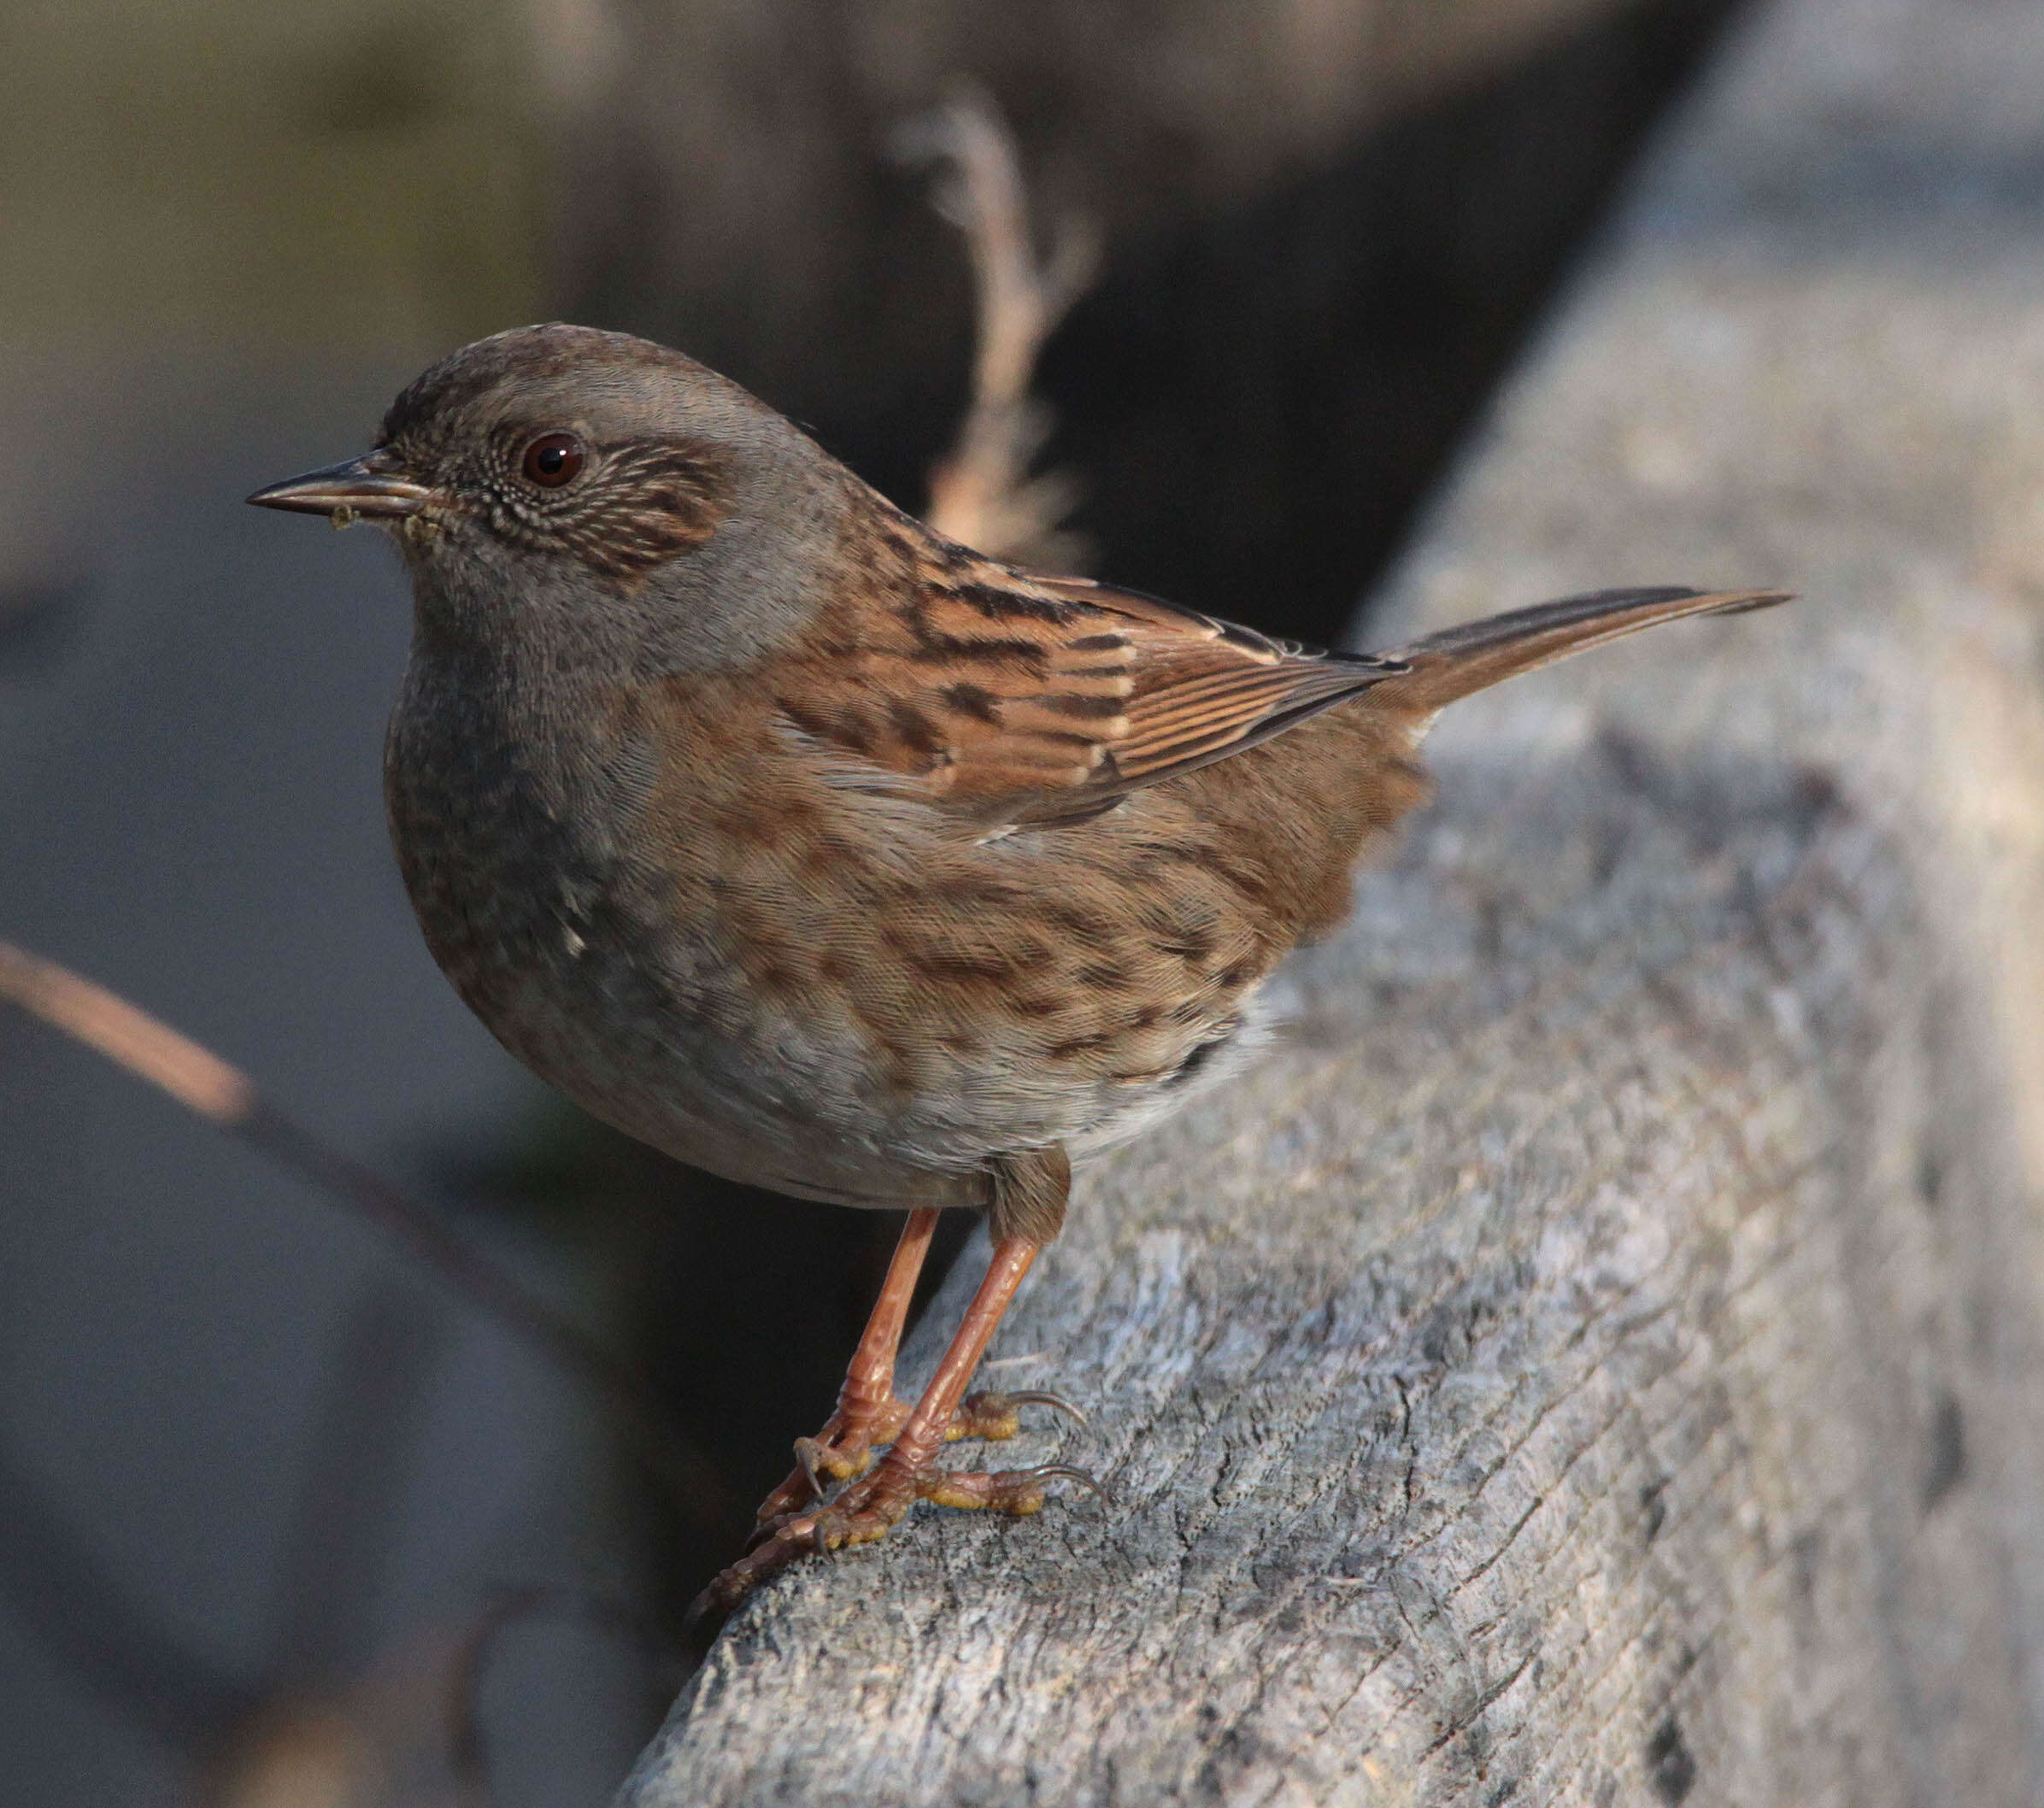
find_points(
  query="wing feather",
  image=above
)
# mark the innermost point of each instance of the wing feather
(1020, 698)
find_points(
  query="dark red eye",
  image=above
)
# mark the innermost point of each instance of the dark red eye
(552, 459)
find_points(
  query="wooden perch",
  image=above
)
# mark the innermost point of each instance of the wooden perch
(1598, 1356)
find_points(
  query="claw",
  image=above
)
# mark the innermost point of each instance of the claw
(714, 1605)
(804, 1454)
(1019, 1491)
(997, 1417)
(1043, 1397)
(1054, 1471)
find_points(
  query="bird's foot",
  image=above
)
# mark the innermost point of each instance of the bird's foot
(847, 1445)
(875, 1503)
(874, 1500)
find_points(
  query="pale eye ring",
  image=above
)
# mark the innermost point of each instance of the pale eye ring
(553, 460)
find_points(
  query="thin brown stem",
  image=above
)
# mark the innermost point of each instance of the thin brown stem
(226, 1098)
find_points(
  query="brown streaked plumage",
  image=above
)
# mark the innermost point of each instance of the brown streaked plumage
(830, 855)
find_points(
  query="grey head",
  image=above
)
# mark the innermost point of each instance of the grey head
(598, 501)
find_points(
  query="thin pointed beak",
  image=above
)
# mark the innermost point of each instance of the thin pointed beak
(361, 486)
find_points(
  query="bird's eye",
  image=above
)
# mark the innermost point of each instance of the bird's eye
(552, 459)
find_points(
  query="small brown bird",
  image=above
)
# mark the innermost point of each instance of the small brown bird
(829, 855)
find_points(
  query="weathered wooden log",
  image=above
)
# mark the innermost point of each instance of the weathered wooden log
(1598, 1356)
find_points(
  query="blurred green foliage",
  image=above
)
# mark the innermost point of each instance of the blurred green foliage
(355, 176)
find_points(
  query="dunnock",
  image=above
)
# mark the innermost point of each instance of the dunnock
(832, 856)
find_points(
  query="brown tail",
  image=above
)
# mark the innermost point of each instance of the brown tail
(1459, 660)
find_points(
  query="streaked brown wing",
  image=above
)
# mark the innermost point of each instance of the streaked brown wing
(1018, 698)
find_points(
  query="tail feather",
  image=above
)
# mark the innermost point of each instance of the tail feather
(1459, 660)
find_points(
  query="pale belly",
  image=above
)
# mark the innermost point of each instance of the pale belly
(799, 1102)
(836, 1037)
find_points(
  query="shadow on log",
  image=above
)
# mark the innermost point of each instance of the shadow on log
(1596, 1357)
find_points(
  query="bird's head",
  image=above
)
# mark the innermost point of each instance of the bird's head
(560, 481)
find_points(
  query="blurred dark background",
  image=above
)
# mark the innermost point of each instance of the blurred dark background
(275, 1507)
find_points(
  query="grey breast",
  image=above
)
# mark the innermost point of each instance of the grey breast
(512, 834)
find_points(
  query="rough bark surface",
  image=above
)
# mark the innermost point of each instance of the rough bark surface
(1597, 1357)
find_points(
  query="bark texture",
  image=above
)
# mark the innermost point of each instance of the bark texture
(1599, 1356)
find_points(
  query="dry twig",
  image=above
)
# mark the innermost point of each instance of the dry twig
(982, 493)
(226, 1098)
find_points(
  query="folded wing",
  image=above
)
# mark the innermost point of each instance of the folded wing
(1016, 698)
(1026, 699)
